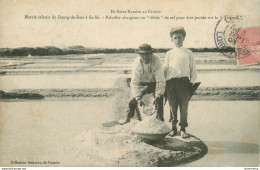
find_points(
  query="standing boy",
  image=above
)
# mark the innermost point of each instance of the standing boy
(147, 77)
(180, 73)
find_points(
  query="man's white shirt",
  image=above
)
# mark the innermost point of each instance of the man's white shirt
(151, 72)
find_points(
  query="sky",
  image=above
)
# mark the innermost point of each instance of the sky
(17, 31)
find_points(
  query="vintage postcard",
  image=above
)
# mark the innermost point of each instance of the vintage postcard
(141, 83)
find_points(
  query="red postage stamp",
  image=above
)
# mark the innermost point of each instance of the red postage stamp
(248, 46)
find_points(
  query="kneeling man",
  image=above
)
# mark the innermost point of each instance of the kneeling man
(147, 77)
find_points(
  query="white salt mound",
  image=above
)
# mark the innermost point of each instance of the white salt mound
(151, 125)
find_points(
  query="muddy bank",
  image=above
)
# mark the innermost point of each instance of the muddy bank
(122, 92)
(21, 95)
(227, 93)
(70, 93)
(118, 146)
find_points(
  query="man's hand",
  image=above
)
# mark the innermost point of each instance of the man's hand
(156, 102)
(141, 103)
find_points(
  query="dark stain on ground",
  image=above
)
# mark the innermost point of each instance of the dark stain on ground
(29, 96)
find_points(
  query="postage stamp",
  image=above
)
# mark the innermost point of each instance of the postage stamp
(248, 46)
(225, 35)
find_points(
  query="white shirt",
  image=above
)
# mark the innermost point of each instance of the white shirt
(151, 72)
(179, 62)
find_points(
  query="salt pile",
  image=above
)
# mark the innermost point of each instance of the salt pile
(151, 125)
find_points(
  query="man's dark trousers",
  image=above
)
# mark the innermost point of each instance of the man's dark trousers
(178, 94)
(133, 105)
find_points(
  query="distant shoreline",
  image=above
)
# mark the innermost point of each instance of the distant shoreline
(51, 50)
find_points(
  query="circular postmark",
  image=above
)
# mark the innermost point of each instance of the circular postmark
(225, 35)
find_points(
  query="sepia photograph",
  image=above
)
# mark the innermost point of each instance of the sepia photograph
(141, 83)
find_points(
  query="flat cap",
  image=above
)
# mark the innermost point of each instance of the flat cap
(178, 30)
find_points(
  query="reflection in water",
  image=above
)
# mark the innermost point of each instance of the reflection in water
(232, 147)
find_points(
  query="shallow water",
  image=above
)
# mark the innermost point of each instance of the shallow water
(54, 65)
(41, 69)
(229, 78)
(93, 80)
(107, 80)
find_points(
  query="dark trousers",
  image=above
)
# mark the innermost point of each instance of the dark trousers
(178, 94)
(133, 105)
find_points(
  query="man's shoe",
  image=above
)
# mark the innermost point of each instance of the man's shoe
(126, 121)
(183, 133)
(173, 132)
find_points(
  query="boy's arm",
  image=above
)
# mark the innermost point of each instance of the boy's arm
(193, 71)
(166, 64)
(135, 81)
